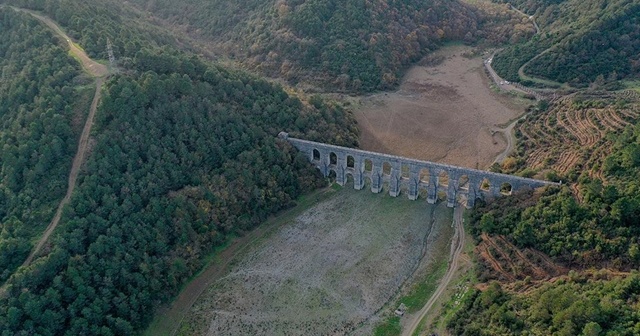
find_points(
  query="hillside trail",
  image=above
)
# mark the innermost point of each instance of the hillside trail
(531, 17)
(521, 72)
(73, 174)
(524, 76)
(456, 249)
(99, 72)
(511, 140)
(92, 67)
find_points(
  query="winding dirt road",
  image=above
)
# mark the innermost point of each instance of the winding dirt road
(99, 71)
(456, 248)
(508, 133)
(92, 67)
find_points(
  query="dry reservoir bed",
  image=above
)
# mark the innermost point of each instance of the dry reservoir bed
(443, 113)
(327, 272)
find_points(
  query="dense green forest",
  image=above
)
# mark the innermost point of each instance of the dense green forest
(585, 42)
(179, 163)
(349, 46)
(586, 305)
(354, 45)
(184, 155)
(42, 109)
(531, 6)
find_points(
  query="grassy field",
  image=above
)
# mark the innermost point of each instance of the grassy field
(329, 270)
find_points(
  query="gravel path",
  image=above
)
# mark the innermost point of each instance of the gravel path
(456, 248)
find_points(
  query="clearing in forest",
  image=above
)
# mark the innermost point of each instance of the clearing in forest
(503, 261)
(329, 271)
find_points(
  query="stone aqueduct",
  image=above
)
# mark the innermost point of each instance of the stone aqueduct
(459, 184)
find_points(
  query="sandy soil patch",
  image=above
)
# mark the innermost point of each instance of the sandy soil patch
(442, 113)
(327, 272)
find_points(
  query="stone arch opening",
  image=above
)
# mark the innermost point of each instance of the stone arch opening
(349, 180)
(367, 182)
(351, 161)
(384, 186)
(332, 175)
(368, 165)
(316, 155)
(405, 171)
(443, 178)
(463, 182)
(461, 198)
(485, 185)
(506, 188)
(442, 195)
(424, 175)
(386, 168)
(333, 158)
(422, 193)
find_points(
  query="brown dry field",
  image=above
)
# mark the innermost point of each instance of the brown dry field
(444, 113)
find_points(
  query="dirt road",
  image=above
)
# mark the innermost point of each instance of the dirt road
(73, 175)
(508, 133)
(92, 67)
(98, 71)
(456, 248)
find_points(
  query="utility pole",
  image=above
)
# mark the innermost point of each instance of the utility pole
(112, 59)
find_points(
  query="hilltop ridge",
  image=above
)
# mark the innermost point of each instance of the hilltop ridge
(592, 42)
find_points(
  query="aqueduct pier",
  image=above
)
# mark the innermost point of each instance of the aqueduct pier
(459, 184)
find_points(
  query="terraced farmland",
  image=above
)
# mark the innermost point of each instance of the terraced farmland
(571, 135)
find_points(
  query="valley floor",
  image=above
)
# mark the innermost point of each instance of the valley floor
(331, 270)
(445, 113)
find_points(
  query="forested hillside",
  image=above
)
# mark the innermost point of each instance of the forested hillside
(355, 45)
(587, 304)
(91, 23)
(594, 223)
(184, 154)
(532, 6)
(583, 42)
(42, 109)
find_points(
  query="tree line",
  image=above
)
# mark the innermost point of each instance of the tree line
(580, 304)
(601, 231)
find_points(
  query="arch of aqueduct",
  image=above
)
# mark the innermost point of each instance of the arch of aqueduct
(459, 184)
